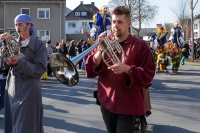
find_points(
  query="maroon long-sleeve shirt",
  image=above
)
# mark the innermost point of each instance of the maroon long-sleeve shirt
(123, 93)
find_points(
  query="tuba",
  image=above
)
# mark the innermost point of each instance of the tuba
(65, 70)
(10, 48)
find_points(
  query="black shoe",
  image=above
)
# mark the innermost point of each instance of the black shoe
(50, 75)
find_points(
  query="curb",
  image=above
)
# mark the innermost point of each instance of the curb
(192, 63)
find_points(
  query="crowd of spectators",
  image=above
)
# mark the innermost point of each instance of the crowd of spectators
(69, 49)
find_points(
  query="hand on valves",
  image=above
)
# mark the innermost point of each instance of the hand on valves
(9, 60)
(120, 68)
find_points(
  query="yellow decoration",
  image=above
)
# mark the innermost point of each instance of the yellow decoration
(44, 76)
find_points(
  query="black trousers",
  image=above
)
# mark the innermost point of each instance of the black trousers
(117, 123)
(80, 64)
(49, 72)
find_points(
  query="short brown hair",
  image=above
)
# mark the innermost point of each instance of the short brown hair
(122, 10)
(49, 41)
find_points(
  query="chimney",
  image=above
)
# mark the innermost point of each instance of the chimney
(81, 2)
(92, 4)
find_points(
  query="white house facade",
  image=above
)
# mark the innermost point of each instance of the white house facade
(197, 28)
(77, 21)
(77, 26)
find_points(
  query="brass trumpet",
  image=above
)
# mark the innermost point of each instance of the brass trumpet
(65, 70)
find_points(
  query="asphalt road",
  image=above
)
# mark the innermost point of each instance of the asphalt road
(175, 102)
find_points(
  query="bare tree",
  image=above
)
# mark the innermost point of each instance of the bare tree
(141, 11)
(181, 10)
(192, 7)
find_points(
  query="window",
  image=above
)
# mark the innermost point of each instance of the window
(84, 24)
(1, 31)
(195, 26)
(72, 25)
(43, 34)
(12, 31)
(195, 34)
(43, 13)
(25, 11)
(83, 13)
(77, 13)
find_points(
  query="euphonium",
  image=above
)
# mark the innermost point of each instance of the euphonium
(65, 70)
(10, 48)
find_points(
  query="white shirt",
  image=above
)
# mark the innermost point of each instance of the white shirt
(26, 41)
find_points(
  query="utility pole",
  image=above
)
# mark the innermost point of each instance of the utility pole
(192, 26)
(192, 29)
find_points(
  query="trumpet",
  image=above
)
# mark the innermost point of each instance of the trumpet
(65, 70)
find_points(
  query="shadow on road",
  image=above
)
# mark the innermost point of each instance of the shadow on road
(50, 107)
(177, 88)
(167, 129)
(70, 127)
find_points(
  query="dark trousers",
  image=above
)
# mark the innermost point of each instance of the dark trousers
(2, 91)
(49, 72)
(117, 123)
(80, 64)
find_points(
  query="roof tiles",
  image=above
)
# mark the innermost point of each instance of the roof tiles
(89, 8)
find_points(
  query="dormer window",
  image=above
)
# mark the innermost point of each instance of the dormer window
(83, 13)
(77, 13)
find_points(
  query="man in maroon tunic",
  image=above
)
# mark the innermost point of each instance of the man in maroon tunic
(120, 86)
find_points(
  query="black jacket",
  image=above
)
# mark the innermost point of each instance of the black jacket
(72, 50)
(186, 52)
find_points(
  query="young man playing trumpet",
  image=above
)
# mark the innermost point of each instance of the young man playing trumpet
(120, 86)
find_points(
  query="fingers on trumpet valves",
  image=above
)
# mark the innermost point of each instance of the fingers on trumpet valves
(100, 51)
(4, 36)
(101, 36)
(108, 32)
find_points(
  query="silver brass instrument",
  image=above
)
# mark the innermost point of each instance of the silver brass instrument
(10, 48)
(112, 53)
(65, 70)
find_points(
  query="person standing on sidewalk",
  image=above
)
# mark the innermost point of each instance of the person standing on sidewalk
(49, 53)
(64, 47)
(72, 49)
(79, 48)
(23, 96)
(84, 47)
(121, 86)
(186, 53)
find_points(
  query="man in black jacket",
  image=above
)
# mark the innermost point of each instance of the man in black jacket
(197, 49)
(186, 53)
(65, 47)
(79, 47)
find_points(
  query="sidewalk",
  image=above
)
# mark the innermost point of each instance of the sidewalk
(175, 101)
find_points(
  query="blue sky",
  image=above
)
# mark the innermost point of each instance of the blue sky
(164, 10)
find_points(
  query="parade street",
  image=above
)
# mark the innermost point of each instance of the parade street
(175, 100)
